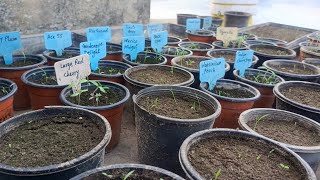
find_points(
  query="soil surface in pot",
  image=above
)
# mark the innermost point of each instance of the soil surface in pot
(65, 54)
(305, 95)
(196, 46)
(286, 130)
(45, 79)
(263, 78)
(154, 75)
(271, 51)
(232, 92)
(20, 63)
(175, 106)
(233, 44)
(174, 52)
(191, 62)
(228, 57)
(109, 70)
(237, 158)
(120, 174)
(49, 140)
(145, 59)
(91, 97)
(293, 69)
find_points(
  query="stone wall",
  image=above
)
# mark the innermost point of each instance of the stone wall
(38, 16)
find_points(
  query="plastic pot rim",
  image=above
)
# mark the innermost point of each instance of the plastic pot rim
(47, 53)
(114, 45)
(104, 63)
(273, 40)
(174, 47)
(231, 51)
(126, 58)
(198, 50)
(42, 60)
(220, 45)
(291, 55)
(212, 34)
(12, 92)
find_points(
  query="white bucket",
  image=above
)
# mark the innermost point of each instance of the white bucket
(218, 7)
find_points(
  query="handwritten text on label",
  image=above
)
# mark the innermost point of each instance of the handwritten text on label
(193, 24)
(9, 42)
(211, 71)
(158, 40)
(130, 29)
(58, 40)
(133, 45)
(96, 51)
(227, 34)
(243, 61)
(153, 28)
(98, 33)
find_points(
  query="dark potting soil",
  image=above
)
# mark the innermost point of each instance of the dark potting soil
(142, 59)
(233, 44)
(293, 69)
(154, 75)
(286, 34)
(65, 55)
(175, 107)
(191, 62)
(263, 78)
(111, 96)
(49, 140)
(237, 158)
(271, 51)
(232, 92)
(196, 46)
(286, 130)
(119, 174)
(228, 57)
(109, 70)
(45, 80)
(20, 63)
(174, 52)
(305, 95)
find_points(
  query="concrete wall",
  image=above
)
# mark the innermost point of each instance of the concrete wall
(38, 16)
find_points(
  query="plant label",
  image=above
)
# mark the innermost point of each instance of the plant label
(243, 61)
(132, 46)
(227, 34)
(158, 40)
(211, 71)
(152, 28)
(207, 22)
(96, 51)
(9, 42)
(99, 33)
(130, 29)
(57, 40)
(72, 71)
(193, 24)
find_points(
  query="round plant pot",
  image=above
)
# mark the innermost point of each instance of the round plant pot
(192, 64)
(201, 35)
(172, 52)
(114, 52)
(53, 58)
(236, 19)
(312, 61)
(314, 37)
(278, 42)
(233, 45)
(160, 134)
(256, 157)
(112, 112)
(233, 106)
(172, 76)
(267, 52)
(173, 41)
(230, 56)
(8, 89)
(42, 87)
(309, 52)
(296, 96)
(264, 82)
(144, 58)
(294, 131)
(252, 42)
(110, 71)
(216, 22)
(293, 70)
(50, 133)
(119, 171)
(14, 72)
(247, 36)
(182, 18)
(306, 44)
(197, 48)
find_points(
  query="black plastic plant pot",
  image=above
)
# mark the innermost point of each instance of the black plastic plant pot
(236, 19)
(193, 67)
(218, 135)
(309, 52)
(197, 48)
(112, 112)
(201, 35)
(182, 18)
(233, 45)
(119, 171)
(312, 61)
(252, 42)
(65, 170)
(267, 52)
(293, 70)
(171, 52)
(173, 41)
(310, 153)
(278, 42)
(144, 58)
(230, 56)
(42, 86)
(159, 136)
(114, 52)
(314, 37)
(298, 104)
(53, 58)
(110, 71)
(8, 89)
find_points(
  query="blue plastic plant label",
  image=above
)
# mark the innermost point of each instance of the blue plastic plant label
(96, 51)
(243, 61)
(130, 29)
(211, 71)
(9, 42)
(153, 28)
(193, 24)
(207, 22)
(158, 40)
(98, 33)
(133, 45)
(57, 40)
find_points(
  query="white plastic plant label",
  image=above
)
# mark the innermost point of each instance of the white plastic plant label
(227, 34)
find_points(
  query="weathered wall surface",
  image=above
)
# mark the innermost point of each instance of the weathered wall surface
(38, 16)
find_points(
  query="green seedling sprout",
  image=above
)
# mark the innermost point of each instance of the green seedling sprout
(259, 156)
(193, 107)
(283, 166)
(193, 46)
(217, 175)
(270, 152)
(128, 175)
(107, 175)
(258, 119)
(172, 70)
(154, 104)
(174, 97)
